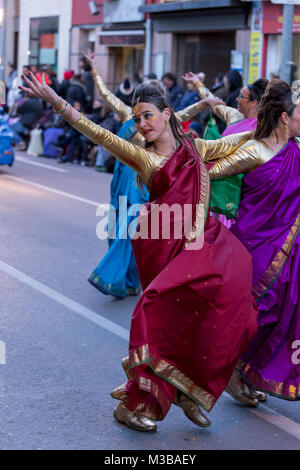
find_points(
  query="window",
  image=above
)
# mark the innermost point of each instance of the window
(43, 45)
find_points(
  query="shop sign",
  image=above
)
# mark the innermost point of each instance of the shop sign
(122, 40)
(273, 18)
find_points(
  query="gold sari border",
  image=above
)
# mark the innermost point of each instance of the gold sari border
(171, 374)
(273, 270)
(272, 387)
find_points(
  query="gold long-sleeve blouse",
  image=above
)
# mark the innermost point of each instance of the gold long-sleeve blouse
(246, 158)
(143, 161)
(124, 112)
(226, 113)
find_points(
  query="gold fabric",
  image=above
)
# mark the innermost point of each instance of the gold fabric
(139, 159)
(202, 91)
(280, 389)
(246, 158)
(144, 162)
(214, 149)
(117, 105)
(228, 114)
(189, 112)
(169, 373)
(124, 112)
(277, 263)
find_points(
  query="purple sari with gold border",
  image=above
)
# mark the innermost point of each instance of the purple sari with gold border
(196, 315)
(268, 224)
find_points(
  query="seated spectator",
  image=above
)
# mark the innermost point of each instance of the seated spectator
(71, 143)
(30, 111)
(76, 92)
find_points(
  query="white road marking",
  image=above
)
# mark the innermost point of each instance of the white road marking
(56, 191)
(267, 414)
(63, 300)
(42, 165)
(278, 420)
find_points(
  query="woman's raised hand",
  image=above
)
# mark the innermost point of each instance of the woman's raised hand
(191, 77)
(39, 90)
(90, 57)
(213, 102)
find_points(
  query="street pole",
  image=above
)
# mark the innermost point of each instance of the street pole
(148, 44)
(287, 42)
(2, 40)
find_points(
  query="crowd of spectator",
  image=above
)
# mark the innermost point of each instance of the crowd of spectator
(61, 141)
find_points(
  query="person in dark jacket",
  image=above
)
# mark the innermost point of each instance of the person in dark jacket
(76, 92)
(65, 84)
(233, 83)
(175, 92)
(88, 82)
(219, 89)
(125, 92)
(190, 97)
(29, 111)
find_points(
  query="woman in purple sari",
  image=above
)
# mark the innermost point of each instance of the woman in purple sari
(268, 224)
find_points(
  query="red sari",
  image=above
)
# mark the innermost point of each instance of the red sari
(196, 315)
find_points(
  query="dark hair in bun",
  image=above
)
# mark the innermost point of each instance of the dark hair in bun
(276, 100)
(257, 89)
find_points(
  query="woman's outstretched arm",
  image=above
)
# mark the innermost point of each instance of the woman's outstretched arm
(116, 105)
(139, 159)
(246, 158)
(214, 149)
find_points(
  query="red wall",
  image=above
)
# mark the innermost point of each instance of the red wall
(81, 13)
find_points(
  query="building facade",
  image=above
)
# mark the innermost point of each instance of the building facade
(272, 25)
(45, 31)
(187, 35)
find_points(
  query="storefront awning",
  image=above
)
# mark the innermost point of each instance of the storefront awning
(187, 5)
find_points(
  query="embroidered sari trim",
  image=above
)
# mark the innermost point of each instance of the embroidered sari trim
(171, 374)
(275, 267)
(272, 387)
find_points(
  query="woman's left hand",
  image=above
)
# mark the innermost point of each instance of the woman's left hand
(191, 77)
(39, 90)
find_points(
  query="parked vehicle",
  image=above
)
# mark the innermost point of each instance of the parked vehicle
(7, 154)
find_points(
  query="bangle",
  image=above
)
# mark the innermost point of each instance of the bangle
(58, 105)
(62, 107)
(198, 84)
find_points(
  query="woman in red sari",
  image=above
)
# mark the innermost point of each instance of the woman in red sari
(196, 315)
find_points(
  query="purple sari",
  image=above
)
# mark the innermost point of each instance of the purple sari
(268, 224)
(241, 126)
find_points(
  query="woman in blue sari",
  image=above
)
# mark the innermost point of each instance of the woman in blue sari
(117, 274)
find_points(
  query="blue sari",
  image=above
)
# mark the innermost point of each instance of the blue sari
(117, 274)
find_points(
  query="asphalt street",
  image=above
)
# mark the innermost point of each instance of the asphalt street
(63, 341)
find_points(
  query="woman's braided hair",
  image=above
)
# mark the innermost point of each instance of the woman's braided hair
(278, 98)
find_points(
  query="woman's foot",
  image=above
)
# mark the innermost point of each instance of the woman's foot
(133, 420)
(260, 396)
(125, 365)
(240, 392)
(191, 410)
